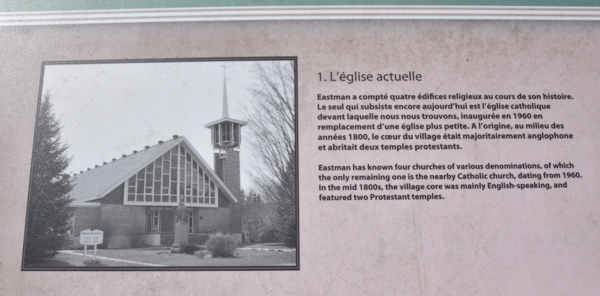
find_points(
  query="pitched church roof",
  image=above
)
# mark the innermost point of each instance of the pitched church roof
(98, 182)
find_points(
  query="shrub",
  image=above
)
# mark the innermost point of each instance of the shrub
(191, 249)
(221, 245)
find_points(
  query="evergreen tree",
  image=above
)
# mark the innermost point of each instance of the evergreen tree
(47, 211)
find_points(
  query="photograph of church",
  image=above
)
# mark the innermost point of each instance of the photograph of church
(193, 177)
(134, 197)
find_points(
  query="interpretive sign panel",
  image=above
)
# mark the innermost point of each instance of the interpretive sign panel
(91, 237)
(459, 154)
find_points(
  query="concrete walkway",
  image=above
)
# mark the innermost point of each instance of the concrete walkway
(268, 247)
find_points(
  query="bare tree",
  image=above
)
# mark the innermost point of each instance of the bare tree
(272, 119)
(258, 217)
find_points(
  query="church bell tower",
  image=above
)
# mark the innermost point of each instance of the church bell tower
(226, 139)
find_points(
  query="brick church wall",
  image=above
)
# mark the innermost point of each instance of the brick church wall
(122, 224)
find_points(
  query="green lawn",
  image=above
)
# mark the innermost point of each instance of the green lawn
(244, 258)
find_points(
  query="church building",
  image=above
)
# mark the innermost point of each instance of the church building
(134, 199)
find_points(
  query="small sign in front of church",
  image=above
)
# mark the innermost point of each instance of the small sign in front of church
(91, 237)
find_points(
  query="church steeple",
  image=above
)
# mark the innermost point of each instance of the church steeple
(225, 106)
(226, 137)
(226, 132)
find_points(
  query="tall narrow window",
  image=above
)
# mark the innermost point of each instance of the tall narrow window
(190, 220)
(131, 189)
(149, 177)
(236, 134)
(152, 221)
(206, 187)
(226, 131)
(217, 134)
(212, 192)
(181, 173)
(71, 223)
